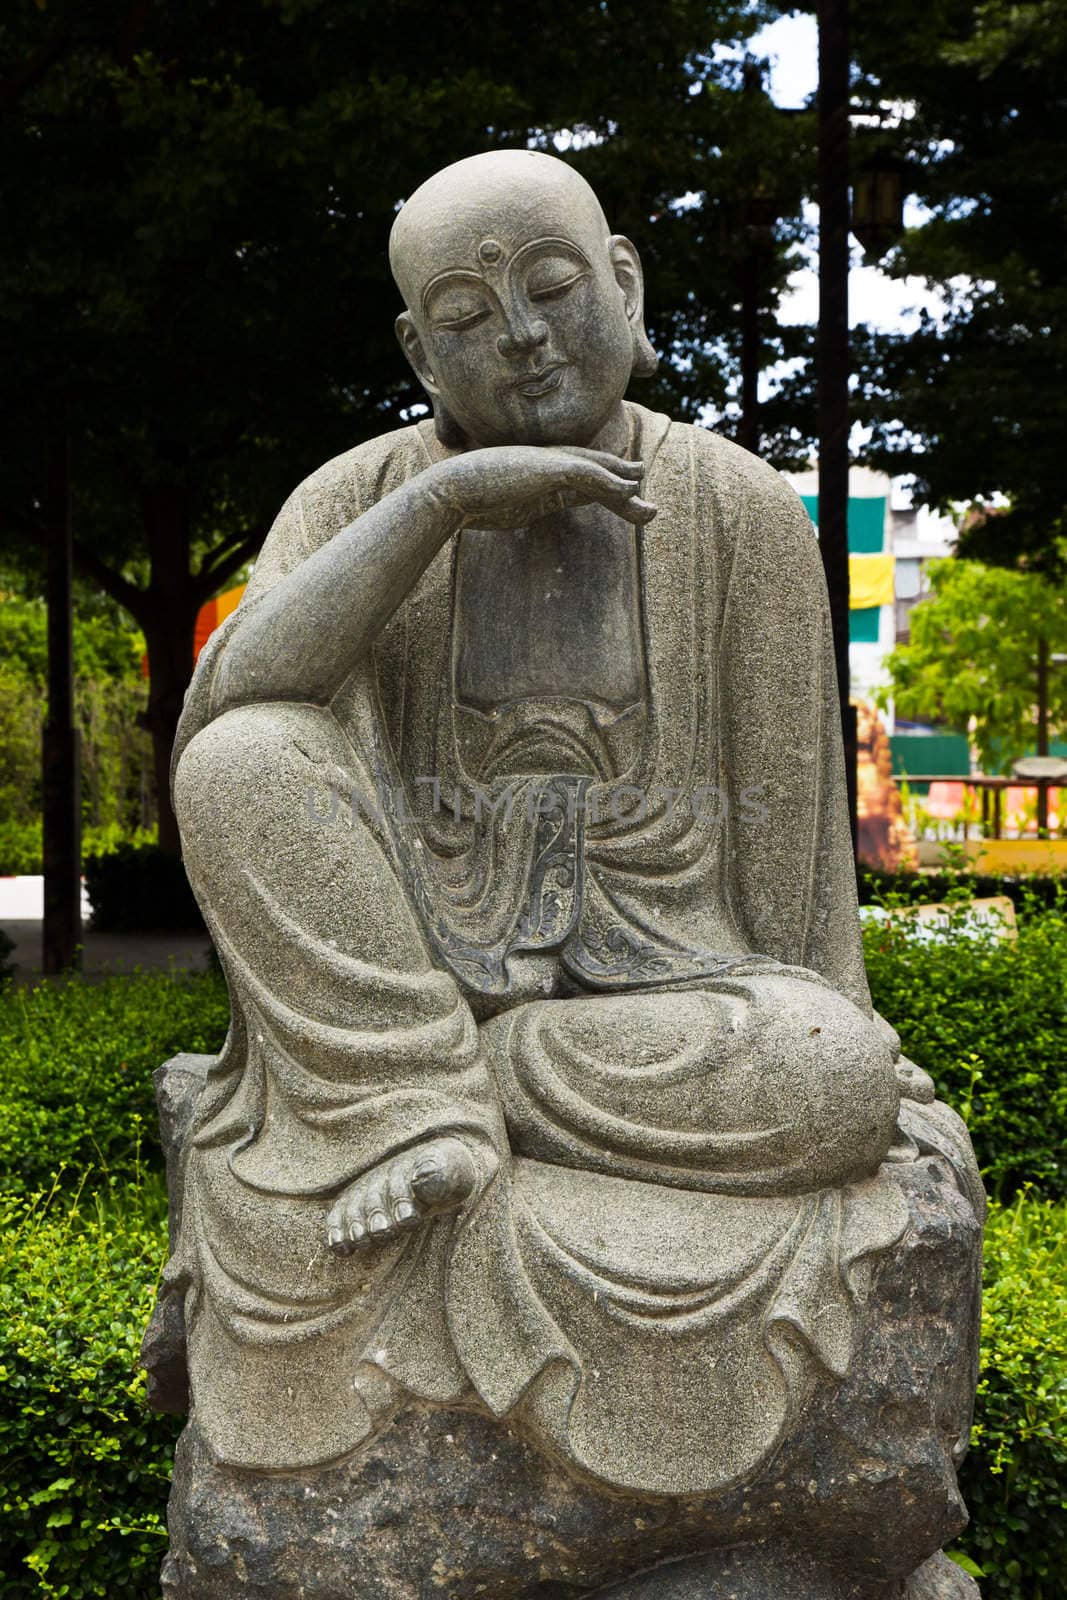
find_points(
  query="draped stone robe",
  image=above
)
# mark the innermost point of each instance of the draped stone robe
(637, 994)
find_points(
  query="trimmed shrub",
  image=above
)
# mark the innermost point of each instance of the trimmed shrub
(76, 1064)
(1029, 892)
(109, 696)
(137, 887)
(987, 1018)
(86, 1466)
(1015, 1479)
(21, 847)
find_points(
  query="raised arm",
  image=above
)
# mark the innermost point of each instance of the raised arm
(307, 634)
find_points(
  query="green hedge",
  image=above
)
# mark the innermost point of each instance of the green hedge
(86, 1467)
(76, 1064)
(137, 886)
(1015, 1479)
(22, 844)
(1029, 892)
(987, 1018)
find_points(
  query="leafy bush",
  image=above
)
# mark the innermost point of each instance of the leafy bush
(20, 844)
(21, 847)
(137, 887)
(22, 705)
(76, 1064)
(109, 693)
(987, 1018)
(86, 1466)
(1030, 893)
(1015, 1479)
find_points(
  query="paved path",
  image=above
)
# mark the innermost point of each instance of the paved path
(107, 954)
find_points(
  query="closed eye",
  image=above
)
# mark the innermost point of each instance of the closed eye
(459, 324)
(556, 291)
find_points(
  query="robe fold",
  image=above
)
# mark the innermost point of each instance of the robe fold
(635, 989)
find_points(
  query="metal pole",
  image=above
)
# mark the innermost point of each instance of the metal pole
(1042, 733)
(833, 359)
(748, 435)
(61, 774)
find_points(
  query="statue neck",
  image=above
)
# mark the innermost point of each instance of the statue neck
(614, 436)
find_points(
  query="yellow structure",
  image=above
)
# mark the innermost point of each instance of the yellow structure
(997, 856)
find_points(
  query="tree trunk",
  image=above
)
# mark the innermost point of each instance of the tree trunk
(61, 788)
(169, 637)
(748, 434)
(168, 621)
(1042, 733)
(833, 354)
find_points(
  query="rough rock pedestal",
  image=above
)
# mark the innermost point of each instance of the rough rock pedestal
(447, 1502)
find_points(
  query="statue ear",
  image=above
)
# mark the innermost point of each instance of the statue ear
(626, 264)
(411, 345)
(445, 425)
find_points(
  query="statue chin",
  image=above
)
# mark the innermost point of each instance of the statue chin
(557, 1217)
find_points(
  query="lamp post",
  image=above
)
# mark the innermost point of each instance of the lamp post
(758, 215)
(832, 386)
(876, 218)
(878, 202)
(61, 792)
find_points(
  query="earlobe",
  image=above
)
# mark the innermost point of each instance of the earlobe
(445, 425)
(626, 264)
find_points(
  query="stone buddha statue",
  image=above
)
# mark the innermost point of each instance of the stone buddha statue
(548, 1215)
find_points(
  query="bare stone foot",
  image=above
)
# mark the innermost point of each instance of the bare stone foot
(400, 1194)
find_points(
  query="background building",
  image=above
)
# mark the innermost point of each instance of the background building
(890, 542)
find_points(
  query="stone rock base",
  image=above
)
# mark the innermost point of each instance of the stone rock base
(453, 1504)
(754, 1573)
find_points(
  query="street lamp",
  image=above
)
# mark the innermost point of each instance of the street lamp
(878, 203)
(876, 217)
(833, 359)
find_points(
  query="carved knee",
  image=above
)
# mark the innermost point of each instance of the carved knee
(249, 754)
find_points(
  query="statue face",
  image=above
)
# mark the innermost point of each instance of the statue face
(532, 347)
(522, 311)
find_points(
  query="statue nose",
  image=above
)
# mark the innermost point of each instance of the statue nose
(521, 338)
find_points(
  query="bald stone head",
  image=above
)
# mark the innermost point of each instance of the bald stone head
(524, 317)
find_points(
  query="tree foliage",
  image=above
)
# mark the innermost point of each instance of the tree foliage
(193, 278)
(975, 404)
(108, 696)
(972, 654)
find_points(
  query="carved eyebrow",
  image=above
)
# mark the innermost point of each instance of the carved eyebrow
(553, 242)
(461, 282)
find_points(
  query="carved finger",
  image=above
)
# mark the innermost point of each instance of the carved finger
(603, 458)
(639, 512)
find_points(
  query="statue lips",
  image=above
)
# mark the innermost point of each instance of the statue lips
(543, 381)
